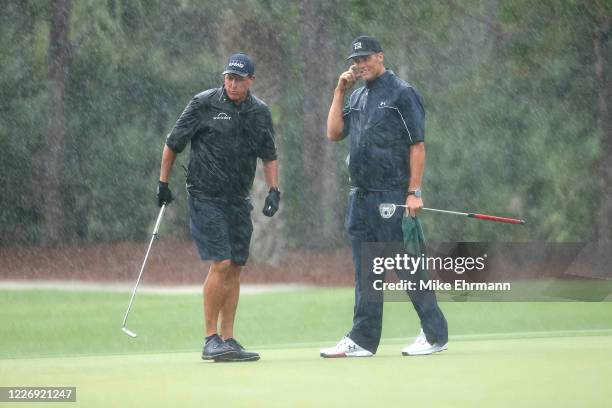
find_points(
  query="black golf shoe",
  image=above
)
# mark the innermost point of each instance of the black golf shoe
(216, 349)
(240, 353)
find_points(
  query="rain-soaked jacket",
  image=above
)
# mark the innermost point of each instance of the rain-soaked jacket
(226, 140)
(383, 119)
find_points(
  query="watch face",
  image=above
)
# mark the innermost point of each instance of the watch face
(417, 193)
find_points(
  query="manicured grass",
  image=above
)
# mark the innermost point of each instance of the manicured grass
(500, 354)
(544, 372)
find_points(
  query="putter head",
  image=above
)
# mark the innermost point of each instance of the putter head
(128, 332)
(386, 210)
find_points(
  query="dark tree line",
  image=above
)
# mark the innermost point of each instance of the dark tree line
(518, 97)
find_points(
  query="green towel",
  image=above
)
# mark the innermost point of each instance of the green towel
(414, 243)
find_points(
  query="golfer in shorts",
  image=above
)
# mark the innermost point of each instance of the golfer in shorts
(227, 128)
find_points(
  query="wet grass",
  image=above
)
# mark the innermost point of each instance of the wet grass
(500, 353)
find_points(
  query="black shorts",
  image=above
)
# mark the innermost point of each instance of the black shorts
(221, 229)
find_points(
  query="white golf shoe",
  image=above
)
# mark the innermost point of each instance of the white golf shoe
(422, 347)
(345, 348)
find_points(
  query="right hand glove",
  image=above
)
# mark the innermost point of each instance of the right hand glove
(164, 195)
(272, 202)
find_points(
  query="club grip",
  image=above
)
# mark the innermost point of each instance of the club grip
(496, 218)
(159, 218)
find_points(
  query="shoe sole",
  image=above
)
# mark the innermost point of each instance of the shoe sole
(343, 355)
(218, 356)
(436, 350)
(235, 360)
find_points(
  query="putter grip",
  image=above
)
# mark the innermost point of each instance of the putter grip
(495, 218)
(159, 218)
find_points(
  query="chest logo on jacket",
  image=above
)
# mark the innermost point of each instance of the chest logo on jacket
(222, 116)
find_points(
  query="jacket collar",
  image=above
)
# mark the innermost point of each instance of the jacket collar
(380, 81)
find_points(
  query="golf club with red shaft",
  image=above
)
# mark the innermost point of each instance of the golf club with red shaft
(387, 211)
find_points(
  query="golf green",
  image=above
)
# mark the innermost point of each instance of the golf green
(500, 354)
(560, 371)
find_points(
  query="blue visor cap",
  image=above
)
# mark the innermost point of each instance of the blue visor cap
(240, 64)
(364, 45)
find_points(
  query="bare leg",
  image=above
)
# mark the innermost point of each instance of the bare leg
(214, 294)
(230, 302)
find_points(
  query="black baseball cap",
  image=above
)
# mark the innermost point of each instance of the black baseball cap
(240, 64)
(364, 45)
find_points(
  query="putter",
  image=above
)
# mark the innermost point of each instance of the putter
(127, 312)
(387, 211)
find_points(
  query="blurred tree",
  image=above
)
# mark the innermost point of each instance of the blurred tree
(322, 202)
(551, 59)
(23, 111)
(602, 47)
(50, 160)
(517, 96)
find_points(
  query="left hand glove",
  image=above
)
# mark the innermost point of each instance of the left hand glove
(272, 202)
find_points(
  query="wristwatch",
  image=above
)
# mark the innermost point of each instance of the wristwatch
(416, 193)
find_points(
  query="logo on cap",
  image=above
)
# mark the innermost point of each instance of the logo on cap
(235, 63)
(357, 46)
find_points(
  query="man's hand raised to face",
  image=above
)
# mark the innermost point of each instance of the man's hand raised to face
(348, 78)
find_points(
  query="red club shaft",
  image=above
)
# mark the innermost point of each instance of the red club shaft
(496, 218)
(473, 215)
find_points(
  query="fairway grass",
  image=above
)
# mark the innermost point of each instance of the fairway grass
(500, 354)
(542, 372)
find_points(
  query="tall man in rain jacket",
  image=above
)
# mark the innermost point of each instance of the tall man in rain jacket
(384, 121)
(228, 129)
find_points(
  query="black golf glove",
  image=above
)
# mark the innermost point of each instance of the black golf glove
(164, 195)
(272, 202)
